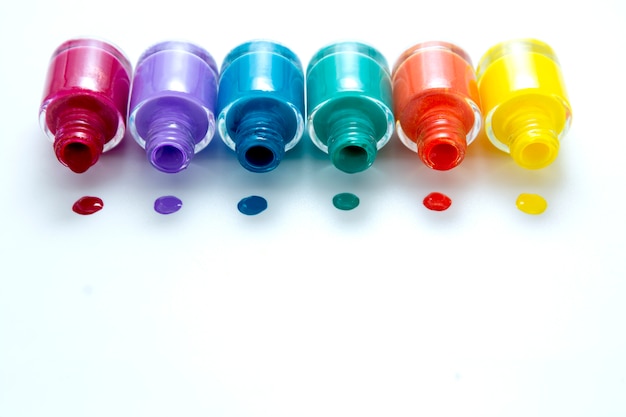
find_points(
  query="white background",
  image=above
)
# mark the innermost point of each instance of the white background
(304, 310)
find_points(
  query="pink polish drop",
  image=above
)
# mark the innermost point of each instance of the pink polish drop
(87, 205)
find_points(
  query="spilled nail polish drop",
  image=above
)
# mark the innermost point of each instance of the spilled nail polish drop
(167, 204)
(531, 203)
(437, 201)
(87, 205)
(252, 205)
(345, 201)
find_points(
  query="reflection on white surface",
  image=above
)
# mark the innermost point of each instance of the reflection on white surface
(306, 310)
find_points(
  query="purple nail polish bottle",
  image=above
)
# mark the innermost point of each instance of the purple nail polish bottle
(172, 103)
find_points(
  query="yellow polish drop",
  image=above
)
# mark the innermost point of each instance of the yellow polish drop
(531, 203)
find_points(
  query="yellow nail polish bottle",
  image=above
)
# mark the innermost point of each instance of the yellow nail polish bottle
(523, 97)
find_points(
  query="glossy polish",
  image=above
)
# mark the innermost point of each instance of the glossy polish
(261, 103)
(349, 104)
(523, 95)
(85, 101)
(172, 104)
(436, 103)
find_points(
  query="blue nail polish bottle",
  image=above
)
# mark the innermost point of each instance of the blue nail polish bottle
(261, 103)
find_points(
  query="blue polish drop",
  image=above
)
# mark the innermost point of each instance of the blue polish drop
(252, 205)
(167, 204)
(346, 201)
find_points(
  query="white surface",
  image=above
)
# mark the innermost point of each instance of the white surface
(305, 310)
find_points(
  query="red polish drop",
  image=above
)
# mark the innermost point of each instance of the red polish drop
(87, 205)
(437, 202)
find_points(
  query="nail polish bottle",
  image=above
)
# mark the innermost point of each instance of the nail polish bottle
(261, 103)
(349, 104)
(436, 103)
(172, 103)
(523, 96)
(85, 101)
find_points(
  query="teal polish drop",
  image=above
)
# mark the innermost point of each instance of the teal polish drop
(252, 205)
(345, 201)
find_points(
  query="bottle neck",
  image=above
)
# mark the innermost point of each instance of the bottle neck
(170, 143)
(534, 142)
(79, 138)
(352, 143)
(441, 139)
(260, 140)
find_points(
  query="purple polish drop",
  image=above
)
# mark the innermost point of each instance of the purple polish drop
(167, 204)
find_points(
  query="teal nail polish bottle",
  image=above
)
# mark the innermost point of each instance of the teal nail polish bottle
(349, 104)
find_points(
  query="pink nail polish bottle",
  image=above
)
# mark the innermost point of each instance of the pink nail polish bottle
(85, 101)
